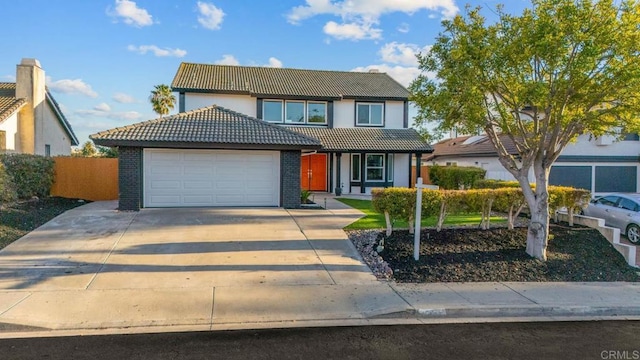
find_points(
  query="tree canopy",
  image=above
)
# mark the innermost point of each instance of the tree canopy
(162, 100)
(560, 69)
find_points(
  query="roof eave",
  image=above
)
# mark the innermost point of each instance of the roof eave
(198, 145)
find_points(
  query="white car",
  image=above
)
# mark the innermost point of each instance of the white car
(618, 210)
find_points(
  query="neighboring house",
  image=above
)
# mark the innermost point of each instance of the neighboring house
(254, 136)
(599, 165)
(31, 121)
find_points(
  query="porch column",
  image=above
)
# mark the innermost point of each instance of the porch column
(330, 172)
(363, 169)
(418, 166)
(338, 189)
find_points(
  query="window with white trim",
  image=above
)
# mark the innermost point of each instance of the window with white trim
(272, 110)
(295, 111)
(355, 167)
(375, 167)
(316, 112)
(390, 168)
(369, 114)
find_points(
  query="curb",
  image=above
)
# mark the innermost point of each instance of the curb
(527, 311)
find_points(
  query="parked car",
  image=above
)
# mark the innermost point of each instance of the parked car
(618, 210)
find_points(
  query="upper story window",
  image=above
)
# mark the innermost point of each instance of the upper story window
(295, 111)
(369, 114)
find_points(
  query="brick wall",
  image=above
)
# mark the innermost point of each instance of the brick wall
(130, 178)
(290, 179)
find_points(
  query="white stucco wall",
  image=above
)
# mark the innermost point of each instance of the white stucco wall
(49, 131)
(394, 115)
(344, 113)
(10, 126)
(401, 170)
(609, 147)
(240, 103)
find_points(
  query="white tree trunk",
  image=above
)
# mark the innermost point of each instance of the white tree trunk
(538, 202)
(411, 227)
(388, 221)
(441, 216)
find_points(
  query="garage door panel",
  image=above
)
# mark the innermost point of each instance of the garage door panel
(175, 178)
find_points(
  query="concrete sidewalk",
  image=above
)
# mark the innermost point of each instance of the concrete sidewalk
(55, 298)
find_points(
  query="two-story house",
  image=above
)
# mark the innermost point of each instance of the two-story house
(254, 136)
(31, 121)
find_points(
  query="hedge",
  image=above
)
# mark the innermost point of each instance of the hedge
(399, 203)
(455, 177)
(7, 188)
(495, 184)
(32, 175)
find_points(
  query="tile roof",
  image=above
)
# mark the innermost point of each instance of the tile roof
(10, 104)
(209, 127)
(8, 101)
(367, 139)
(283, 82)
(470, 146)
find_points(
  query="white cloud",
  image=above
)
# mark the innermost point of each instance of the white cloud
(10, 78)
(115, 115)
(360, 16)
(403, 28)
(131, 14)
(104, 107)
(402, 54)
(71, 86)
(157, 51)
(273, 62)
(402, 74)
(352, 31)
(123, 98)
(210, 16)
(227, 60)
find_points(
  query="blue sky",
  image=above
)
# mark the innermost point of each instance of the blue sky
(103, 57)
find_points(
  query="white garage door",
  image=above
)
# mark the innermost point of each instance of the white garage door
(181, 178)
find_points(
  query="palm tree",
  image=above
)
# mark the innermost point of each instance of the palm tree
(162, 99)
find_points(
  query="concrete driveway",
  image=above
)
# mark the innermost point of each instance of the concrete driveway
(95, 247)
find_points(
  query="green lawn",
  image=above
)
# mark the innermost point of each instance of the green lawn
(375, 220)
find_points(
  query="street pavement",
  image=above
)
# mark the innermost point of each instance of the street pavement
(94, 270)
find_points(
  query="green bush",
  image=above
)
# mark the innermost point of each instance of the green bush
(495, 184)
(7, 188)
(455, 177)
(32, 175)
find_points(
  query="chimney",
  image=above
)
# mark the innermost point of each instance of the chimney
(30, 85)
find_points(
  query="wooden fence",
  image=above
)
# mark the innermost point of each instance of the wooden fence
(86, 178)
(424, 173)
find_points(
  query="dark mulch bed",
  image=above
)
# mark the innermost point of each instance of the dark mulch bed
(467, 255)
(18, 219)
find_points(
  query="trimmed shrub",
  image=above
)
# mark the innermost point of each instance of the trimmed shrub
(7, 188)
(32, 175)
(495, 184)
(455, 177)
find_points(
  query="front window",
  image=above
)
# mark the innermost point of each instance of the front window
(375, 167)
(272, 110)
(294, 112)
(369, 114)
(316, 112)
(390, 168)
(355, 167)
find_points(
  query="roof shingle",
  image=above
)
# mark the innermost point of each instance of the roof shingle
(283, 82)
(8, 101)
(469, 146)
(367, 139)
(211, 126)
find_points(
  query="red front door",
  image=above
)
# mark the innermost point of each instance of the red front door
(313, 172)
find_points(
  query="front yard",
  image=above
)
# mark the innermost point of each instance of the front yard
(464, 253)
(375, 220)
(17, 219)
